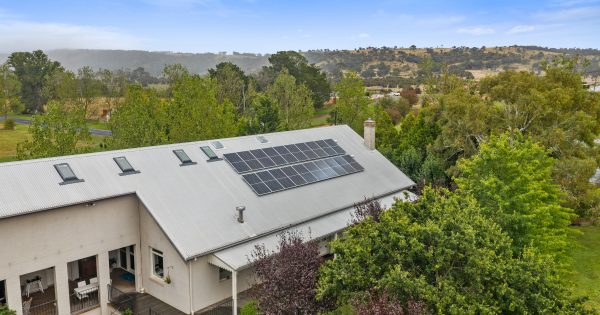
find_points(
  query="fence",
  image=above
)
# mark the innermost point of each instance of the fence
(119, 300)
(223, 308)
(47, 308)
(84, 300)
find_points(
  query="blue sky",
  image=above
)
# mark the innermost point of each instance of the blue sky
(268, 26)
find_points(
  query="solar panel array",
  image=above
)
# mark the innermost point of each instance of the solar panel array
(259, 159)
(282, 178)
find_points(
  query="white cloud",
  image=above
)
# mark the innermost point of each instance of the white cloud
(26, 35)
(521, 29)
(569, 14)
(363, 35)
(476, 30)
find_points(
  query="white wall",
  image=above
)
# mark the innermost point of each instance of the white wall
(175, 293)
(207, 287)
(56, 237)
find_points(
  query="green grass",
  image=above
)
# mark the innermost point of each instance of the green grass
(585, 254)
(9, 140)
(97, 124)
(321, 117)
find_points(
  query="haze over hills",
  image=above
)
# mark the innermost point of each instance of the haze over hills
(384, 66)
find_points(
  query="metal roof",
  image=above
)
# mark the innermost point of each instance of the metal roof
(195, 205)
(238, 257)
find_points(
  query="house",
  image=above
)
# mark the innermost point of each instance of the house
(172, 226)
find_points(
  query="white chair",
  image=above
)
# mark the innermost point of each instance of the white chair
(93, 280)
(81, 284)
(80, 295)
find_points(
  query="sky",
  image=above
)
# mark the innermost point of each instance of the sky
(267, 26)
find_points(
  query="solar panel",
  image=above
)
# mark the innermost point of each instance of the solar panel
(183, 157)
(66, 173)
(287, 177)
(125, 166)
(259, 159)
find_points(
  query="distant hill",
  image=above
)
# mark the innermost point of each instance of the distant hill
(385, 66)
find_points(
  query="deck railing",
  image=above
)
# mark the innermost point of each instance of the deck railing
(120, 300)
(223, 308)
(84, 300)
(47, 308)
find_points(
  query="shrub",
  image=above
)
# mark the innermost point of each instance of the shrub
(250, 308)
(9, 124)
(128, 312)
(4, 310)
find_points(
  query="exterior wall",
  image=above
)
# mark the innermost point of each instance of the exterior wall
(207, 287)
(56, 237)
(175, 293)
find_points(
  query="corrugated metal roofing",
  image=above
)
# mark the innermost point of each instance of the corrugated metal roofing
(238, 257)
(195, 205)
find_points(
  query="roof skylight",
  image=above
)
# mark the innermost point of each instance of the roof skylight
(209, 153)
(66, 173)
(183, 157)
(125, 166)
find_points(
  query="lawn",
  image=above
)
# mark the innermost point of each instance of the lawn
(10, 138)
(585, 253)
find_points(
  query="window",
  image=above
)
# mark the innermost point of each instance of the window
(210, 153)
(125, 166)
(157, 263)
(262, 139)
(224, 274)
(66, 173)
(183, 157)
(218, 145)
(2, 293)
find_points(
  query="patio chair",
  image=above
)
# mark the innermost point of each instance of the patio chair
(81, 284)
(93, 280)
(80, 296)
(27, 306)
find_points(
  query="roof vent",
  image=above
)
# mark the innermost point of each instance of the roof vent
(240, 210)
(262, 139)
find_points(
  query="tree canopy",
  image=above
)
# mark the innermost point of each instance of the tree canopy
(293, 102)
(443, 252)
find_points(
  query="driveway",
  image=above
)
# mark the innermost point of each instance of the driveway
(94, 131)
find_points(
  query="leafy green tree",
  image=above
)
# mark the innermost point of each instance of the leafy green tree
(194, 112)
(9, 91)
(263, 116)
(61, 86)
(32, 69)
(55, 133)
(88, 87)
(293, 102)
(441, 251)
(352, 107)
(232, 85)
(297, 66)
(511, 179)
(140, 107)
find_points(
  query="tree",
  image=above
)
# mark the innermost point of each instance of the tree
(56, 133)
(61, 86)
(263, 116)
(88, 86)
(32, 69)
(511, 180)
(287, 278)
(352, 107)
(232, 85)
(298, 67)
(9, 91)
(443, 253)
(141, 107)
(194, 112)
(293, 102)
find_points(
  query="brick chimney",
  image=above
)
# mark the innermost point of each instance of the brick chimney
(369, 134)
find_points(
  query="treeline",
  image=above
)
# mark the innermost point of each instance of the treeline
(502, 168)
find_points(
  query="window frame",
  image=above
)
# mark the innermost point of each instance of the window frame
(125, 172)
(155, 252)
(184, 163)
(224, 274)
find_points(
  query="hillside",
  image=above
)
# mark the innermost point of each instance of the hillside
(383, 66)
